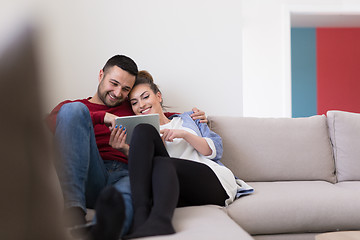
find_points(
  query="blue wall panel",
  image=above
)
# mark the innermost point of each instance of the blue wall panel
(303, 72)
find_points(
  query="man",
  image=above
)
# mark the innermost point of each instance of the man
(88, 163)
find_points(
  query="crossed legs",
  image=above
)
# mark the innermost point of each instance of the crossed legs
(160, 183)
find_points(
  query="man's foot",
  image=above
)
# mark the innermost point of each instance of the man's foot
(110, 215)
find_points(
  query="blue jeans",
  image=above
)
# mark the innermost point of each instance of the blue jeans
(81, 170)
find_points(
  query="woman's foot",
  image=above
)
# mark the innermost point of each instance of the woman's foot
(141, 214)
(110, 215)
(153, 227)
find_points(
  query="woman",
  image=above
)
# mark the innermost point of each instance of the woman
(177, 169)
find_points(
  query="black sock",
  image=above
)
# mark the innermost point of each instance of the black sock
(154, 226)
(110, 215)
(141, 214)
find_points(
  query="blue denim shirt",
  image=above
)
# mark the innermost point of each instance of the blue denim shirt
(202, 130)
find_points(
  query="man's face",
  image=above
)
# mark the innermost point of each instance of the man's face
(115, 85)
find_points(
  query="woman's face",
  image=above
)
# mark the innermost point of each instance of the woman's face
(144, 101)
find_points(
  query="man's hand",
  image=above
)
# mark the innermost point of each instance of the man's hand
(117, 139)
(199, 115)
(109, 120)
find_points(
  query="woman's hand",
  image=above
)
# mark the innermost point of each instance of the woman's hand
(118, 138)
(170, 134)
(199, 143)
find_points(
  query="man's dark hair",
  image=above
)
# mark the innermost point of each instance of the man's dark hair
(123, 62)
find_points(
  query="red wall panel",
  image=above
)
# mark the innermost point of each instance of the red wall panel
(338, 69)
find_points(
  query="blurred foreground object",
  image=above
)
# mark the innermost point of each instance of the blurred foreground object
(29, 205)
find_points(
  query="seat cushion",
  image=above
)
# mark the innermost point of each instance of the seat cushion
(204, 222)
(296, 207)
(344, 130)
(292, 236)
(276, 149)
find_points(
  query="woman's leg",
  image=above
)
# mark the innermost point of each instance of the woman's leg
(145, 144)
(165, 193)
(177, 180)
(198, 184)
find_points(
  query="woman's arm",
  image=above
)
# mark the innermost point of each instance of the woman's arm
(199, 143)
(203, 130)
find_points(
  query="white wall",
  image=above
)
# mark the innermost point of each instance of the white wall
(266, 50)
(192, 48)
(227, 57)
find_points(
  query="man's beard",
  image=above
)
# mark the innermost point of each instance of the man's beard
(102, 97)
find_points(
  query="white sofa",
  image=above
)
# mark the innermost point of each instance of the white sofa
(305, 172)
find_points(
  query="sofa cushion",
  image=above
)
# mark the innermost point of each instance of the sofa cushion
(344, 130)
(298, 206)
(292, 236)
(276, 149)
(207, 222)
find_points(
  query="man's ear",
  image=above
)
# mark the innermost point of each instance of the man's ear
(101, 75)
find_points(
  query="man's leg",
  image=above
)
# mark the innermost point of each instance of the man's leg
(114, 211)
(81, 170)
(119, 178)
(110, 215)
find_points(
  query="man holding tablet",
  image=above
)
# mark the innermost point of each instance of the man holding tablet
(88, 163)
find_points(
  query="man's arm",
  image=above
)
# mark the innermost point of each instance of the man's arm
(198, 114)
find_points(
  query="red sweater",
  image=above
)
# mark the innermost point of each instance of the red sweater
(102, 132)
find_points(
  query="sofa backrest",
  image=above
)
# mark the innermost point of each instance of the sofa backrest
(276, 149)
(344, 128)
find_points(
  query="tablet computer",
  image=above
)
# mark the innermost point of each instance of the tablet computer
(130, 122)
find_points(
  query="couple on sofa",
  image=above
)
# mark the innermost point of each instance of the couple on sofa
(179, 168)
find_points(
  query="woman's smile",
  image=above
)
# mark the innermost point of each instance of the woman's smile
(145, 111)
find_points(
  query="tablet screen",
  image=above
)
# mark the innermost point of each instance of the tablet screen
(130, 122)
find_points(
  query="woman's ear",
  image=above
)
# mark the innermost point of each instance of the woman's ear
(159, 97)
